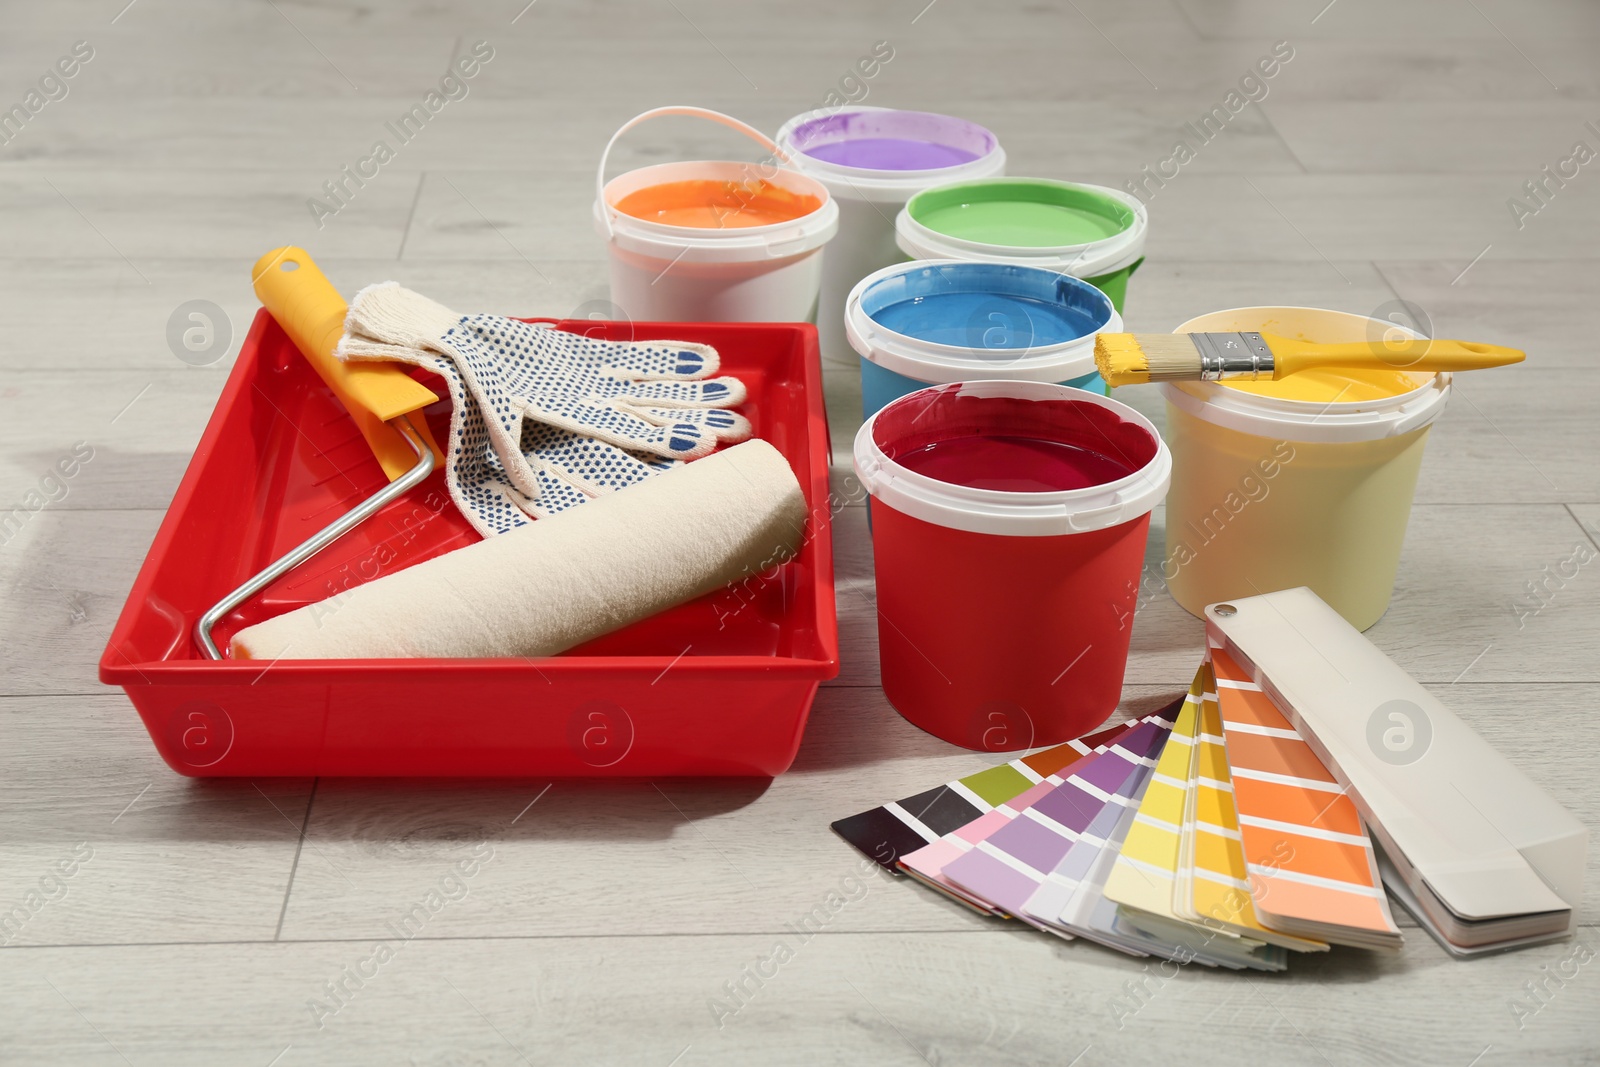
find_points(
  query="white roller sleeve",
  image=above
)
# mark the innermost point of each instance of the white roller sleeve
(558, 582)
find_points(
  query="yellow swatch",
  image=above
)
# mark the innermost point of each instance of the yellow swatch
(1144, 872)
(1220, 884)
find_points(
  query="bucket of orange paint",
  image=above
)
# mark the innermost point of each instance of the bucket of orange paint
(714, 240)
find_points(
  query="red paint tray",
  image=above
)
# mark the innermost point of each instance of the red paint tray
(719, 686)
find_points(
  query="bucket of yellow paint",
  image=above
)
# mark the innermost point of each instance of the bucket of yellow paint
(1304, 481)
(714, 241)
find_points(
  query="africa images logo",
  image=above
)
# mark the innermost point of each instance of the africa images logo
(1399, 732)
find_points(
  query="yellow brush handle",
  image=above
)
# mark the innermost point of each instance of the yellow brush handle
(311, 312)
(1421, 354)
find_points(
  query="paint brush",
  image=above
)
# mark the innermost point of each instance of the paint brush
(1135, 358)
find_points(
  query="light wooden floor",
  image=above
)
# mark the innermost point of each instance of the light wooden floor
(211, 914)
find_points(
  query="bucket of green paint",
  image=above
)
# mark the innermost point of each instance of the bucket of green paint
(1087, 231)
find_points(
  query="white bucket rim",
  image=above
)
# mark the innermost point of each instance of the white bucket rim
(779, 240)
(1088, 260)
(884, 186)
(939, 364)
(1308, 421)
(1009, 514)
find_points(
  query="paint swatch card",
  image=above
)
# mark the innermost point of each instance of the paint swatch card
(892, 830)
(927, 863)
(1143, 878)
(1215, 889)
(1009, 865)
(1085, 910)
(1143, 875)
(1069, 901)
(1312, 869)
(1183, 879)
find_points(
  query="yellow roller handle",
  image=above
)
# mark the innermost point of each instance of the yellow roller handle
(311, 312)
(1419, 354)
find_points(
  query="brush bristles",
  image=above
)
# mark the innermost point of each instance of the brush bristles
(1136, 358)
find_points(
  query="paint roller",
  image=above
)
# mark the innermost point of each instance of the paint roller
(542, 588)
(383, 401)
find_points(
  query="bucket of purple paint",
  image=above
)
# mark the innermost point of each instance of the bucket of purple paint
(872, 160)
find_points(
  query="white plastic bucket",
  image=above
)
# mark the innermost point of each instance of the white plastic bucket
(1017, 514)
(1087, 231)
(1271, 493)
(714, 273)
(1004, 326)
(869, 197)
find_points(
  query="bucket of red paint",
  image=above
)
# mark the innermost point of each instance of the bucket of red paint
(873, 160)
(1008, 533)
(714, 241)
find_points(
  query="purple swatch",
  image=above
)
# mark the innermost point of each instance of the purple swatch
(1009, 866)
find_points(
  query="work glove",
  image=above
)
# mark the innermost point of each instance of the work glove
(543, 419)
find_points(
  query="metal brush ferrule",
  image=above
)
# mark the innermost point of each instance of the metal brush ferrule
(1232, 355)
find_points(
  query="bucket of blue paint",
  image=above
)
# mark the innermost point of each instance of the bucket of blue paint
(872, 160)
(1088, 231)
(932, 322)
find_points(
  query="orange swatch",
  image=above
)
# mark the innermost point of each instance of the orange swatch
(1272, 756)
(1295, 805)
(1312, 870)
(706, 204)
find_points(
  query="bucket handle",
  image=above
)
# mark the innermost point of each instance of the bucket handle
(673, 109)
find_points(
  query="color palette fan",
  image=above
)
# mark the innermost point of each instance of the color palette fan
(1207, 832)
(898, 827)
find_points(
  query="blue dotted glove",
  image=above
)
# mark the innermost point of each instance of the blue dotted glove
(542, 419)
